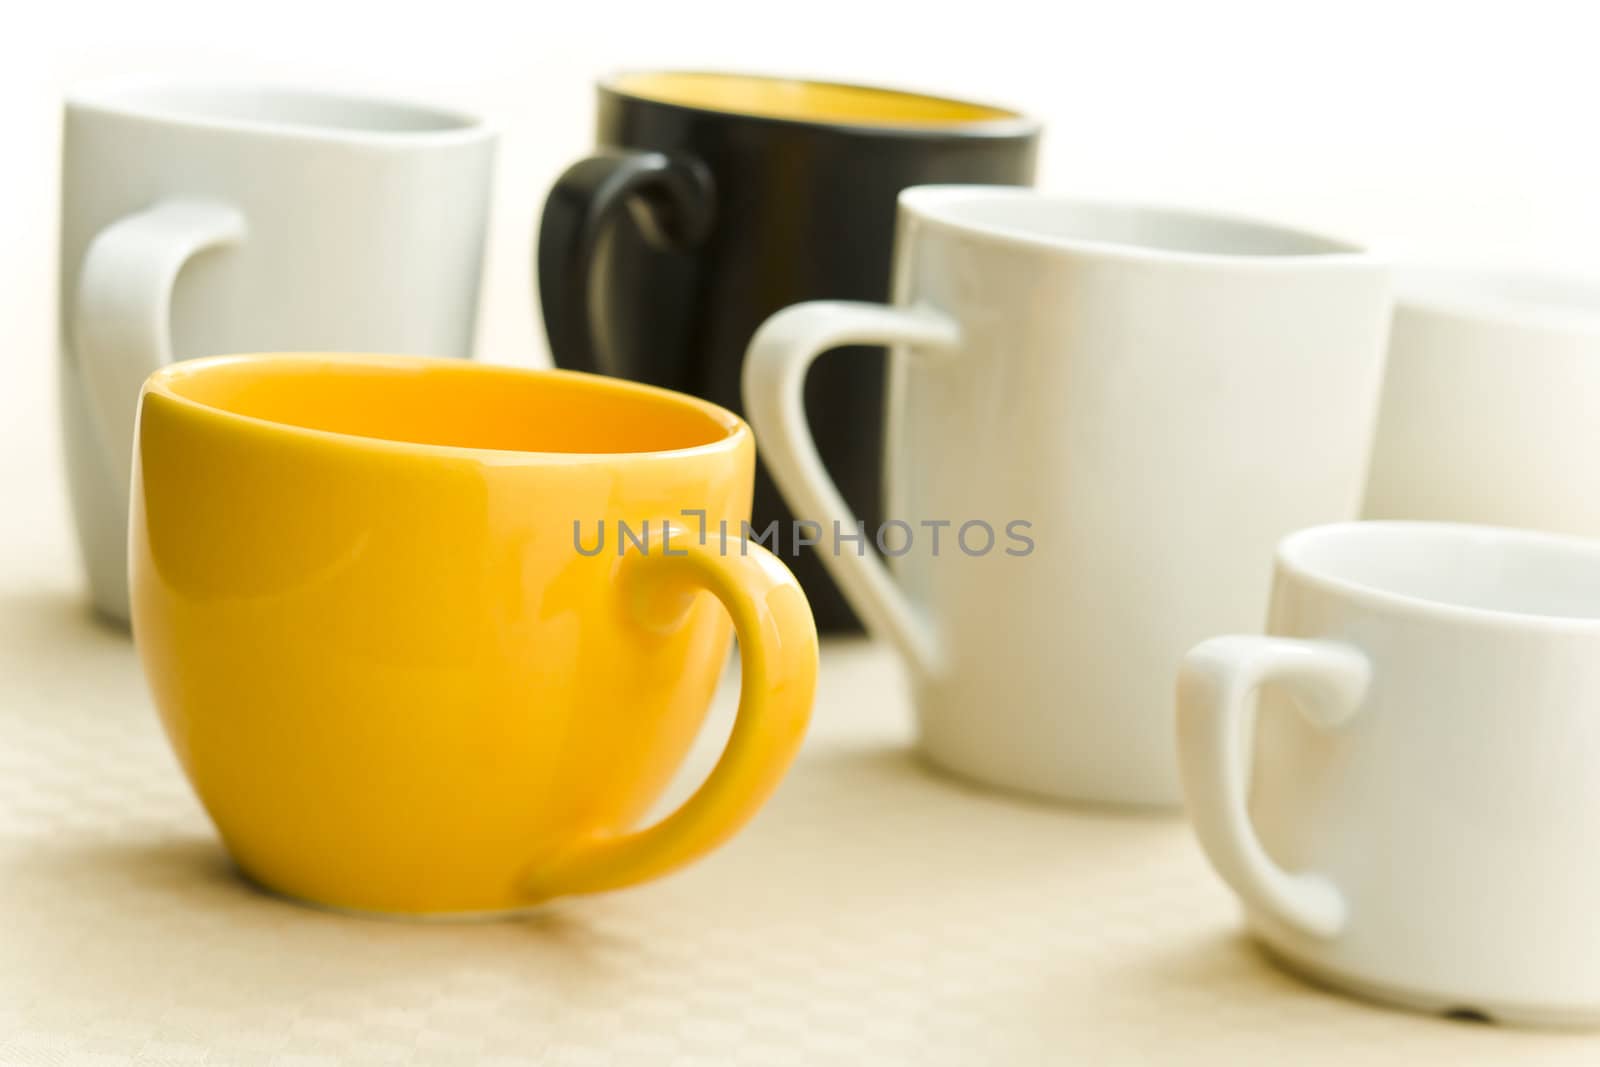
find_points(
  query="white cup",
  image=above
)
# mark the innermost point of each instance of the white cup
(1491, 408)
(1159, 395)
(1420, 826)
(204, 219)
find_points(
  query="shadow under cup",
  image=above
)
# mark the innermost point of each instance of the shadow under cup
(395, 680)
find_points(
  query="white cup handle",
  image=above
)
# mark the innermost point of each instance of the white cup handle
(1215, 683)
(121, 328)
(781, 352)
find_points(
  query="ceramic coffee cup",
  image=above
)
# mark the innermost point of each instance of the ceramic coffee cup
(1420, 824)
(716, 199)
(1490, 402)
(1101, 419)
(410, 646)
(200, 218)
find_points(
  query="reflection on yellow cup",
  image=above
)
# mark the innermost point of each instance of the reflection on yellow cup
(398, 674)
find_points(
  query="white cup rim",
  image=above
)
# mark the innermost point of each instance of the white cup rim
(971, 209)
(1294, 558)
(157, 100)
(1505, 296)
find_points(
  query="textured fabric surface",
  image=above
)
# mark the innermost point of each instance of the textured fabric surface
(876, 912)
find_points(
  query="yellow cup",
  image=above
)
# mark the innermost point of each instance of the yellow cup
(395, 667)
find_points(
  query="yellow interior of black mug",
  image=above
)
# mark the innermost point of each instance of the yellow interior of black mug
(806, 101)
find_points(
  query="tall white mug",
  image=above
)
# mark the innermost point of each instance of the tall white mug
(1420, 826)
(201, 219)
(1491, 407)
(1136, 404)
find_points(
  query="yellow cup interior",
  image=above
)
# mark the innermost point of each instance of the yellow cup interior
(455, 404)
(808, 101)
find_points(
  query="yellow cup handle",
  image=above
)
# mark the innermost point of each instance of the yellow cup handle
(778, 661)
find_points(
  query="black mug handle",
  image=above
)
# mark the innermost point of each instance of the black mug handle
(670, 200)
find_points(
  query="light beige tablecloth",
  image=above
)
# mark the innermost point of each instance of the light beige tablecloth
(875, 913)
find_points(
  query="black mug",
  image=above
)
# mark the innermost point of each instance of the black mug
(744, 195)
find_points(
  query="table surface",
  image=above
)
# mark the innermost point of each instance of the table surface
(875, 912)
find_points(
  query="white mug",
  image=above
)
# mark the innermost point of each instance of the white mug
(1158, 396)
(1426, 789)
(204, 219)
(1491, 407)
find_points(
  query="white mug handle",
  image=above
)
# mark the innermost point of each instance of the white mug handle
(1215, 682)
(121, 327)
(781, 352)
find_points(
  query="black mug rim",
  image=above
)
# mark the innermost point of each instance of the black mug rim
(1009, 122)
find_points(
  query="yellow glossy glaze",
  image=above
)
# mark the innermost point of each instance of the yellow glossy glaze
(392, 679)
(803, 100)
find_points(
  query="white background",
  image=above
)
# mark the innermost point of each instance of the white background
(1449, 130)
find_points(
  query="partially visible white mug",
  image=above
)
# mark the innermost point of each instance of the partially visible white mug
(1491, 407)
(1425, 803)
(202, 219)
(1150, 397)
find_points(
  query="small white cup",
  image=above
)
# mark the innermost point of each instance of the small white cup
(1426, 794)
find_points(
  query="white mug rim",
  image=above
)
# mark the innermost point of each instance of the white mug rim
(1475, 293)
(122, 97)
(940, 205)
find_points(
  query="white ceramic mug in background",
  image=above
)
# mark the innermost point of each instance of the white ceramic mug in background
(199, 219)
(1159, 395)
(1425, 802)
(1491, 407)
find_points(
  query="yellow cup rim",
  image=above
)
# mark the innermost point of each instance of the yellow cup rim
(164, 382)
(1005, 122)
